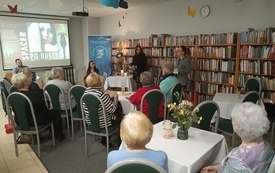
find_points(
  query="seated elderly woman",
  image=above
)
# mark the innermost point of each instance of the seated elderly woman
(168, 81)
(57, 74)
(42, 114)
(147, 81)
(254, 154)
(112, 107)
(33, 86)
(136, 131)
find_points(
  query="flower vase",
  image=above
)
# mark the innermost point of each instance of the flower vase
(182, 132)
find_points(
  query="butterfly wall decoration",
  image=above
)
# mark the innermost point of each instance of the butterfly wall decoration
(12, 9)
(192, 13)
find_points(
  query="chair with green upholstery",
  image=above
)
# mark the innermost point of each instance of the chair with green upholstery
(253, 84)
(251, 96)
(177, 88)
(18, 102)
(51, 93)
(135, 165)
(7, 83)
(13, 89)
(207, 110)
(154, 98)
(4, 95)
(77, 91)
(225, 125)
(92, 103)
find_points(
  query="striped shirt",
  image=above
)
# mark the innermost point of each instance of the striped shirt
(109, 105)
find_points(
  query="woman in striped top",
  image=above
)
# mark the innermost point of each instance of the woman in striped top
(109, 100)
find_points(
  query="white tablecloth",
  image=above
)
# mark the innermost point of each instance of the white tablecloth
(127, 106)
(202, 148)
(120, 81)
(226, 102)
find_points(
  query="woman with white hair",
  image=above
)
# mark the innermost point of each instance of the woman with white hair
(254, 154)
(43, 115)
(57, 74)
(136, 131)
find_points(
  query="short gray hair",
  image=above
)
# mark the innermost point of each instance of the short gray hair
(56, 72)
(146, 78)
(19, 79)
(249, 121)
(168, 67)
(26, 70)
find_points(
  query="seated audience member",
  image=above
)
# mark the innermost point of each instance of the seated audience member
(57, 75)
(112, 107)
(42, 114)
(168, 81)
(136, 131)
(91, 69)
(147, 82)
(33, 86)
(254, 154)
(19, 64)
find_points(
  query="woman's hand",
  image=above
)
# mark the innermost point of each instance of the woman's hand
(210, 169)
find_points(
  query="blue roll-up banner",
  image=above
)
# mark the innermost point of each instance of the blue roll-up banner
(100, 52)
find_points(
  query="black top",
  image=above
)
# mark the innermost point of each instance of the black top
(141, 62)
(39, 106)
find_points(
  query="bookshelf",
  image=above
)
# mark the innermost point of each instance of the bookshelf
(216, 64)
(222, 62)
(257, 58)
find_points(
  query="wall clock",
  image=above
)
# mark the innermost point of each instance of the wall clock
(205, 11)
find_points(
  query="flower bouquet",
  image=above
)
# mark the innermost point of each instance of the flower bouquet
(184, 114)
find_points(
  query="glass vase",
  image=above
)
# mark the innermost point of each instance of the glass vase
(182, 132)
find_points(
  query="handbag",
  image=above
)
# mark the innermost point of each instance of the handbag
(8, 128)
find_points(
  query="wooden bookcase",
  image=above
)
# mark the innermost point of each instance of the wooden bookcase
(222, 62)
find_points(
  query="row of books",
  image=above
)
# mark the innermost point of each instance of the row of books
(155, 61)
(144, 42)
(212, 89)
(220, 38)
(189, 96)
(257, 67)
(268, 83)
(259, 36)
(180, 40)
(218, 65)
(267, 52)
(217, 52)
(202, 98)
(217, 77)
(158, 40)
(171, 51)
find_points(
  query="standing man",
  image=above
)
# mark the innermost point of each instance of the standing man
(183, 66)
(19, 64)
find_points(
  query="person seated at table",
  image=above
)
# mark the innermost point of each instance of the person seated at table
(42, 114)
(168, 81)
(136, 132)
(33, 86)
(254, 154)
(147, 81)
(91, 69)
(112, 106)
(57, 74)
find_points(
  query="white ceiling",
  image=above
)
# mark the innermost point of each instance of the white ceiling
(66, 7)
